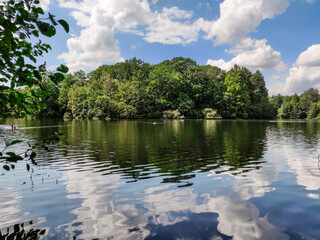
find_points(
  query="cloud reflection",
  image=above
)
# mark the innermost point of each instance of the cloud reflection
(305, 166)
(103, 213)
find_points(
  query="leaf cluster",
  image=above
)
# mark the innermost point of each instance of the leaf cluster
(21, 25)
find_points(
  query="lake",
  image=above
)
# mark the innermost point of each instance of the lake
(191, 179)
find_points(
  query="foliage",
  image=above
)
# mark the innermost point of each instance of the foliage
(314, 111)
(171, 114)
(21, 25)
(236, 97)
(297, 107)
(209, 113)
(135, 89)
(8, 157)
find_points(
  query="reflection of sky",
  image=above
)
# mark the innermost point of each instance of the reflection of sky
(255, 182)
(10, 207)
(305, 165)
(242, 206)
(103, 213)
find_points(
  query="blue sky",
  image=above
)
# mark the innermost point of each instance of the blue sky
(279, 37)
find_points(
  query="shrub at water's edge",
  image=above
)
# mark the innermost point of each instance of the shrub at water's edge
(209, 113)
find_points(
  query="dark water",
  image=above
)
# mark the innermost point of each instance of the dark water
(164, 180)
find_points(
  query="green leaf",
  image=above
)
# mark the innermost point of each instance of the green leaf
(58, 77)
(64, 24)
(63, 68)
(28, 167)
(14, 158)
(36, 73)
(11, 154)
(35, 33)
(20, 61)
(46, 29)
(6, 167)
(38, 10)
(33, 155)
(15, 142)
(13, 84)
(13, 166)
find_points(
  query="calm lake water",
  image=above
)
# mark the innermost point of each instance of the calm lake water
(189, 179)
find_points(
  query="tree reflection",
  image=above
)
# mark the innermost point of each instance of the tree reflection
(22, 231)
(173, 150)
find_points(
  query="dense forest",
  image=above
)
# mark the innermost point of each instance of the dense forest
(177, 88)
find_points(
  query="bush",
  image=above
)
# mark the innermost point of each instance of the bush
(171, 114)
(67, 115)
(126, 111)
(209, 113)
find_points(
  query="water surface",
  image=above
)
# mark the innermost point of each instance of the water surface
(189, 179)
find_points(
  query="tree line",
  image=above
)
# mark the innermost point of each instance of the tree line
(174, 88)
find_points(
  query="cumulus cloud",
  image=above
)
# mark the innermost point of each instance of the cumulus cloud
(166, 31)
(304, 74)
(240, 17)
(170, 26)
(253, 54)
(101, 20)
(95, 45)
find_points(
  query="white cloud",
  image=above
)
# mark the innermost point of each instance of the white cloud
(310, 57)
(176, 13)
(253, 54)
(304, 74)
(166, 31)
(101, 20)
(240, 17)
(274, 78)
(94, 46)
(276, 88)
(44, 4)
(171, 26)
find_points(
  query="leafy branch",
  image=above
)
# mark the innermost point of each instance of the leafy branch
(21, 25)
(10, 158)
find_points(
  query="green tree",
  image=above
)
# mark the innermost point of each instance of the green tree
(314, 111)
(276, 101)
(260, 106)
(66, 84)
(236, 97)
